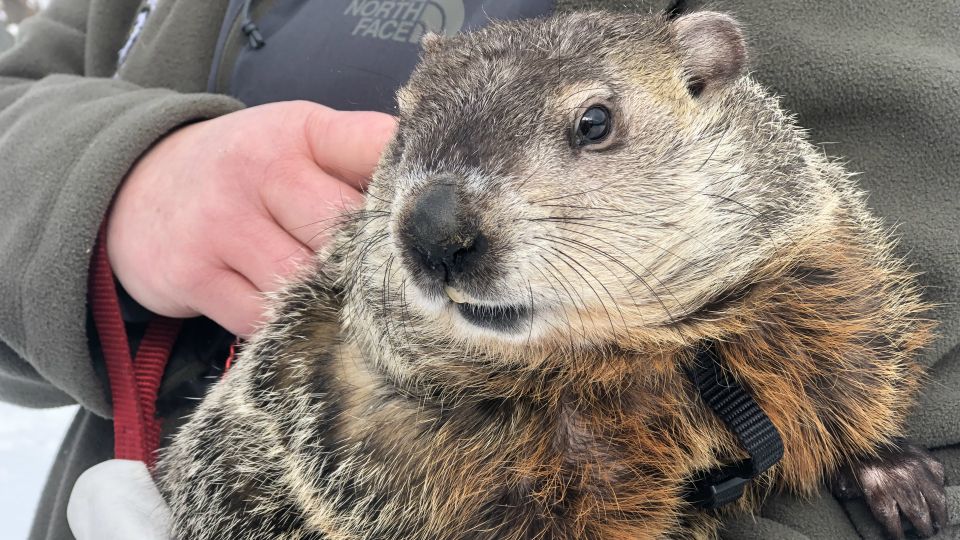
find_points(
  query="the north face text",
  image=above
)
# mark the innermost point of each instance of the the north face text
(405, 20)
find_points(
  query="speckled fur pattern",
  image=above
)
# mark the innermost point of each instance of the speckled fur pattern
(368, 409)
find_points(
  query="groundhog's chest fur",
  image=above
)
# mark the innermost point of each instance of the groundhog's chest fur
(496, 346)
(309, 441)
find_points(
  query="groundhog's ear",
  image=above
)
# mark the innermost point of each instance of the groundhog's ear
(713, 48)
(430, 42)
(405, 98)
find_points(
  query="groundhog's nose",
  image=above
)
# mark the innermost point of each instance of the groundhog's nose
(442, 235)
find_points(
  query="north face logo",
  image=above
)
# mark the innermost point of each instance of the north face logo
(405, 20)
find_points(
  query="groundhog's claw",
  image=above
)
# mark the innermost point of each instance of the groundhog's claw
(904, 481)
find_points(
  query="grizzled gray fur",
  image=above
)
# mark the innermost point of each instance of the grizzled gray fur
(494, 347)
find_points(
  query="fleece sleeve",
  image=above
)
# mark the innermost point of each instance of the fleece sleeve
(66, 142)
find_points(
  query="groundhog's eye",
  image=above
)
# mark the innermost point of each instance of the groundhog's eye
(593, 127)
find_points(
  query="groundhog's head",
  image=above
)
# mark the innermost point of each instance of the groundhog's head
(575, 180)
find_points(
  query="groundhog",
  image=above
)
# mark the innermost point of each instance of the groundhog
(499, 345)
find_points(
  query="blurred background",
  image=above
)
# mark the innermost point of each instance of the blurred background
(12, 12)
(29, 439)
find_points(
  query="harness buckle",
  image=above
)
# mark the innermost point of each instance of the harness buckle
(720, 486)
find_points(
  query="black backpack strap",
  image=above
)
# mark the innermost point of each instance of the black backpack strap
(740, 413)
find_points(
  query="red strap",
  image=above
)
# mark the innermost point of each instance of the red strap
(232, 357)
(134, 384)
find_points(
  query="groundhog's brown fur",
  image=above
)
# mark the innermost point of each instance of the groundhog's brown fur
(368, 409)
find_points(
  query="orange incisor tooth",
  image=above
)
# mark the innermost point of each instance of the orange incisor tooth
(456, 295)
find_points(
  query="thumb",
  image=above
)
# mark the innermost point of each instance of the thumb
(348, 144)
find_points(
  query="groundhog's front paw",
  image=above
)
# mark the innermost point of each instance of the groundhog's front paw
(906, 481)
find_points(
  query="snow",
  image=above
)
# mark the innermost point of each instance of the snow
(29, 440)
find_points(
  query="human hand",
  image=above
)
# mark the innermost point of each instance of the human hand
(221, 211)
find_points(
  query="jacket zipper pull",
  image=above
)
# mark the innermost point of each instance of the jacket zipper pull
(250, 28)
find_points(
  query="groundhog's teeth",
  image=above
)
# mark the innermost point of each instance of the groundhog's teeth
(458, 296)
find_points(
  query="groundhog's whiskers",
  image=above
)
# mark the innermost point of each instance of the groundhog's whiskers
(624, 286)
(630, 270)
(764, 222)
(346, 219)
(351, 214)
(563, 281)
(568, 260)
(614, 231)
(587, 221)
(560, 302)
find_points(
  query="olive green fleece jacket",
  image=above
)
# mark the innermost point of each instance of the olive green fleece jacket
(69, 132)
(879, 81)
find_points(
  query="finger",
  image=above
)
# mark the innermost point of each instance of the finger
(935, 467)
(308, 202)
(232, 302)
(885, 511)
(348, 144)
(914, 508)
(933, 491)
(266, 255)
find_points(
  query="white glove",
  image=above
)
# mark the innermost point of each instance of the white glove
(117, 500)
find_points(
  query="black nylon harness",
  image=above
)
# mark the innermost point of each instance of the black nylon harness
(735, 406)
